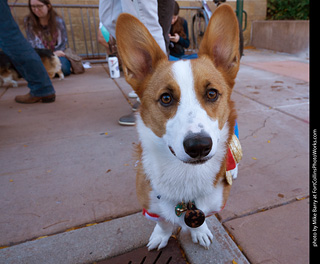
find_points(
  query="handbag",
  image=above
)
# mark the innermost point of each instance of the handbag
(75, 60)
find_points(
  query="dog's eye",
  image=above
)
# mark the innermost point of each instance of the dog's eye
(166, 99)
(212, 95)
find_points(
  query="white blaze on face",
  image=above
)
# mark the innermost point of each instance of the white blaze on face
(190, 117)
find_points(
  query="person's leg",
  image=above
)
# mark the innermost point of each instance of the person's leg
(189, 56)
(165, 12)
(109, 10)
(148, 12)
(172, 58)
(23, 56)
(65, 66)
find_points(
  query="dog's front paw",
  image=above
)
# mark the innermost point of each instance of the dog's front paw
(202, 235)
(14, 83)
(61, 76)
(234, 172)
(159, 237)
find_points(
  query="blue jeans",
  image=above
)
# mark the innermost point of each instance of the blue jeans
(184, 57)
(26, 61)
(65, 65)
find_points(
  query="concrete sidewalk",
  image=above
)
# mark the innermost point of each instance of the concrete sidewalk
(69, 164)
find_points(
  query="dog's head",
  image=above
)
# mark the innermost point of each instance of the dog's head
(185, 103)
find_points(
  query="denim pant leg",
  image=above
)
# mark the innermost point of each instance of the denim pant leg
(24, 58)
(65, 66)
(165, 13)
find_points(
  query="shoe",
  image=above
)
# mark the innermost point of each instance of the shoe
(29, 99)
(132, 94)
(128, 120)
(135, 107)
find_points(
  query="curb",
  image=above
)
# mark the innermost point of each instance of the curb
(116, 237)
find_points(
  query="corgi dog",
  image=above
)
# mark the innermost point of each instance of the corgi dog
(185, 124)
(9, 75)
(51, 62)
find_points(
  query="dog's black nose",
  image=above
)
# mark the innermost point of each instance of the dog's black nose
(197, 145)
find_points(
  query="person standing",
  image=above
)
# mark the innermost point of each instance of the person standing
(156, 15)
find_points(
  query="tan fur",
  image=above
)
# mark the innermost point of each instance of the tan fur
(225, 57)
(160, 115)
(53, 66)
(143, 186)
(223, 33)
(8, 77)
(220, 177)
(206, 75)
(139, 63)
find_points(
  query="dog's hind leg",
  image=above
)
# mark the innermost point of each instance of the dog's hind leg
(160, 235)
(61, 75)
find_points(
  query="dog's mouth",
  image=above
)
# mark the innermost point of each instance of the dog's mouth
(196, 161)
(172, 151)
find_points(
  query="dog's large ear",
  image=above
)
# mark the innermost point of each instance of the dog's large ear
(221, 41)
(138, 50)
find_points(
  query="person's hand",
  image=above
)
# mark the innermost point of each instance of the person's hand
(175, 38)
(59, 53)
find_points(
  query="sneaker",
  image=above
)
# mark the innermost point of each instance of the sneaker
(132, 94)
(135, 107)
(127, 120)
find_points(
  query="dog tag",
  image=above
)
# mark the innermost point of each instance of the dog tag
(180, 208)
(194, 217)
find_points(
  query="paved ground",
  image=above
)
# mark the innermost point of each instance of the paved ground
(69, 164)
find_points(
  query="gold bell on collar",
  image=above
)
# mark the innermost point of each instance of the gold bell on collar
(235, 148)
(236, 154)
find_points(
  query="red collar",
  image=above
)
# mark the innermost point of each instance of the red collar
(150, 216)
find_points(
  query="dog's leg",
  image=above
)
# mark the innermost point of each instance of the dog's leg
(202, 235)
(51, 74)
(234, 172)
(8, 81)
(14, 83)
(160, 235)
(61, 75)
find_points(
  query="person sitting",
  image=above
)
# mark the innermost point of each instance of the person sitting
(179, 37)
(45, 29)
